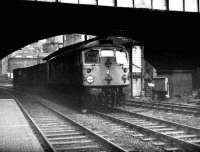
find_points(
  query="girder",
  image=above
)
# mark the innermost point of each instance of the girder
(163, 34)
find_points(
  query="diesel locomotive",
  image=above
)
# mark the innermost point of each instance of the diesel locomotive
(95, 71)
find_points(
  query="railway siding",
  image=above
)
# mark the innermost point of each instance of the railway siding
(135, 134)
(189, 138)
(114, 132)
(176, 108)
(188, 120)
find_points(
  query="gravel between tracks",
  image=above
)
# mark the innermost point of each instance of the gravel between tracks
(95, 123)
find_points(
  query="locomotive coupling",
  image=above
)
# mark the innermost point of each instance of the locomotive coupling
(108, 78)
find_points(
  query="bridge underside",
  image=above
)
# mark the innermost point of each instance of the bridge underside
(166, 36)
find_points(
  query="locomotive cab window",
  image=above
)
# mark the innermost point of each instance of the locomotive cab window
(107, 53)
(121, 57)
(92, 56)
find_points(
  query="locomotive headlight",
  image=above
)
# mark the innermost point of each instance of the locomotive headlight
(125, 70)
(90, 79)
(107, 71)
(89, 70)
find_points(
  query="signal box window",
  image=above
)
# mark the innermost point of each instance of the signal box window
(92, 56)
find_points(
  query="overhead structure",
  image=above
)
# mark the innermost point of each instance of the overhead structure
(164, 34)
(168, 5)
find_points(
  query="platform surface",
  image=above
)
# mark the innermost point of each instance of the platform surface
(15, 132)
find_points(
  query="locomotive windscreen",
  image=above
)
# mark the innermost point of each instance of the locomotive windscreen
(92, 56)
(121, 57)
(107, 53)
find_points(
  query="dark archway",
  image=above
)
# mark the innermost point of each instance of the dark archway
(164, 34)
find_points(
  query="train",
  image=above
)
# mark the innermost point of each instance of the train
(95, 71)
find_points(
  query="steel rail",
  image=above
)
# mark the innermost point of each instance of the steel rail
(169, 104)
(108, 143)
(41, 137)
(166, 107)
(185, 127)
(48, 146)
(173, 141)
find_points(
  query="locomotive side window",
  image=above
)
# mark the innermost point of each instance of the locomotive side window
(121, 57)
(92, 56)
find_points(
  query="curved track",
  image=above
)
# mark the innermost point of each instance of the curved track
(180, 137)
(178, 108)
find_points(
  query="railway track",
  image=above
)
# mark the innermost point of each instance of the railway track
(178, 108)
(121, 146)
(171, 136)
(56, 132)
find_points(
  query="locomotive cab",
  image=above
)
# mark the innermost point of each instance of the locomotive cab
(105, 66)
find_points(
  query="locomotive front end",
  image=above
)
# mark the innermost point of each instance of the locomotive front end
(106, 73)
(105, 67)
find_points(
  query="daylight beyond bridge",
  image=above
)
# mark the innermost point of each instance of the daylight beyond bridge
(163, 33)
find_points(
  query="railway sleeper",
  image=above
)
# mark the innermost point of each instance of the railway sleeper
(137, 135)
(158, 143)
(172, 149)
(163, 129)
(152, 124)
(147, 139)
(49, 135)
(89, 148)
(152, 127)
(139, 122)
(195, 141)
(130, 131)
(61, 133)
(53, 124)
(55, 128)
(65, 130)
(66, 137)
(60, 130)
(57, 143)
(144, 123)
(172, 132)
(42, 121)
(185, 136)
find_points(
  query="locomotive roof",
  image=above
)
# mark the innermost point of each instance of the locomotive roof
(78, 47)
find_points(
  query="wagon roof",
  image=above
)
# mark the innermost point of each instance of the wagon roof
(76, 46)
(79, 46)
